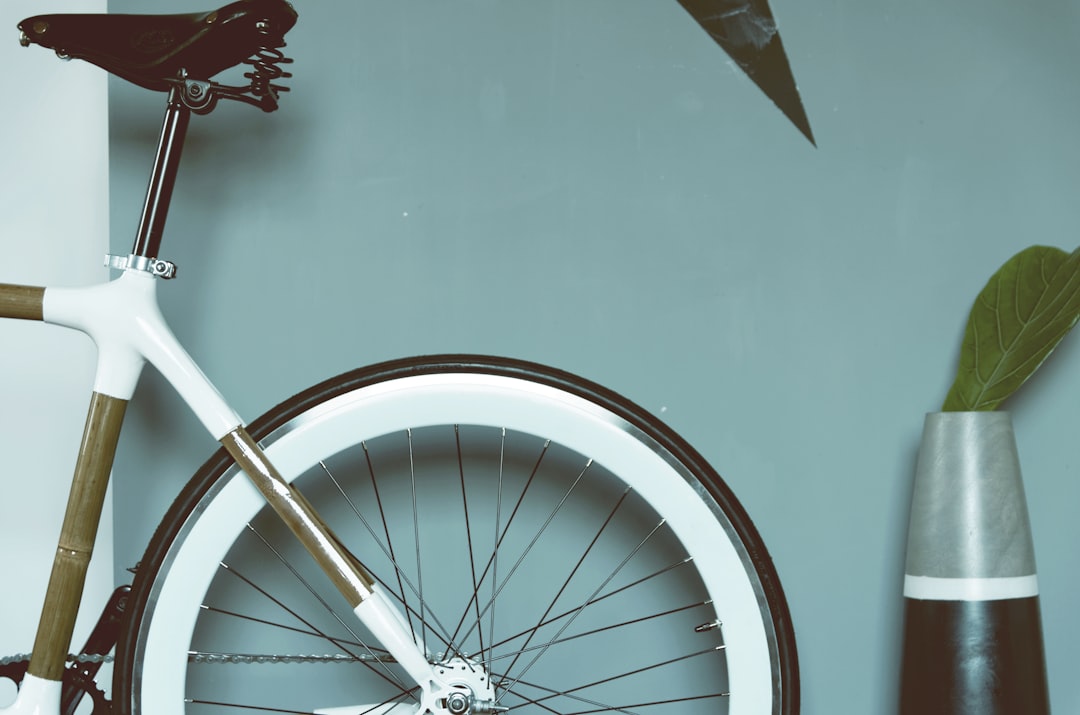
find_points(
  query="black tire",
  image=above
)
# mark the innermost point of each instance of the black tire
(771, 604)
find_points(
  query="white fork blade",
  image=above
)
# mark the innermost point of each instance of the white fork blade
(389, 627)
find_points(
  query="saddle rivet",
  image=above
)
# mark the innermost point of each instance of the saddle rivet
(211, 18)
(40, 27)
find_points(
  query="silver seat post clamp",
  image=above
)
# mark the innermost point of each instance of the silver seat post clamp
(154, 266)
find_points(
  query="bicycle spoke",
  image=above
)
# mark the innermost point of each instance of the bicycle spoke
(637, 671)
(416, 540)
(387, 550)
(653, 703)
(604, 707)
(566, 582)
(621, 589)
(584, 605)
(594, 631)
(273, 624)
(282, 606)
(495, 542)
(393, 680)
(576, 698)
(498, 542)
(322, 601)
(303, 581)
(535, 539)
(468, 531)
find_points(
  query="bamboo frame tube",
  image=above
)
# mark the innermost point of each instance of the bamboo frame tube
(77, 536)
(347, 574)
(22, 302)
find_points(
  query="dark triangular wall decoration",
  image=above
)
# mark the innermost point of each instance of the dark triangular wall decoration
(747, 32)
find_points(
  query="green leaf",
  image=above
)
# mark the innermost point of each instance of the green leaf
(1021, 315)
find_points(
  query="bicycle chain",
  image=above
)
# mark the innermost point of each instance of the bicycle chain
(80, 658)
(244, 658)
(214, 658)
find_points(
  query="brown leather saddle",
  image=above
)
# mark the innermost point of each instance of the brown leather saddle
(154, 51)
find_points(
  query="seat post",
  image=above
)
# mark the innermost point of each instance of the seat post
(162, 177)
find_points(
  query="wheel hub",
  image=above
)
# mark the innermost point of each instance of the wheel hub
(471, 692)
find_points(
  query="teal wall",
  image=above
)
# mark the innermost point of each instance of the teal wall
(591, 184)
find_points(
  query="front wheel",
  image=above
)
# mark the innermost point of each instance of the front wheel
(554, 548)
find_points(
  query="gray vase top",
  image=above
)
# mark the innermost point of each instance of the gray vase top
(969, 537)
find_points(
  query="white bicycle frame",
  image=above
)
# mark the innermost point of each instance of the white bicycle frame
(123, 319)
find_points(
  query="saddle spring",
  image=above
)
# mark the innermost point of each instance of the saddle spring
(266, 70)
(262, 91)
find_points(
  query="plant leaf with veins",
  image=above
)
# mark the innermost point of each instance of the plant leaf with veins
(1021, 315)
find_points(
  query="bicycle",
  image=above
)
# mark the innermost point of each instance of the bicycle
(457, 534)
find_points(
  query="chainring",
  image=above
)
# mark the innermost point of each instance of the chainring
(15, 671)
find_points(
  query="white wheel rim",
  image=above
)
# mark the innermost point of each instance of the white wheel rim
(417, 401)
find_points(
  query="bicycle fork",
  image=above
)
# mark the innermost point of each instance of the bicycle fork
(123, 319)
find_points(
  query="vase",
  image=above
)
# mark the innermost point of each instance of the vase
(972, 639)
